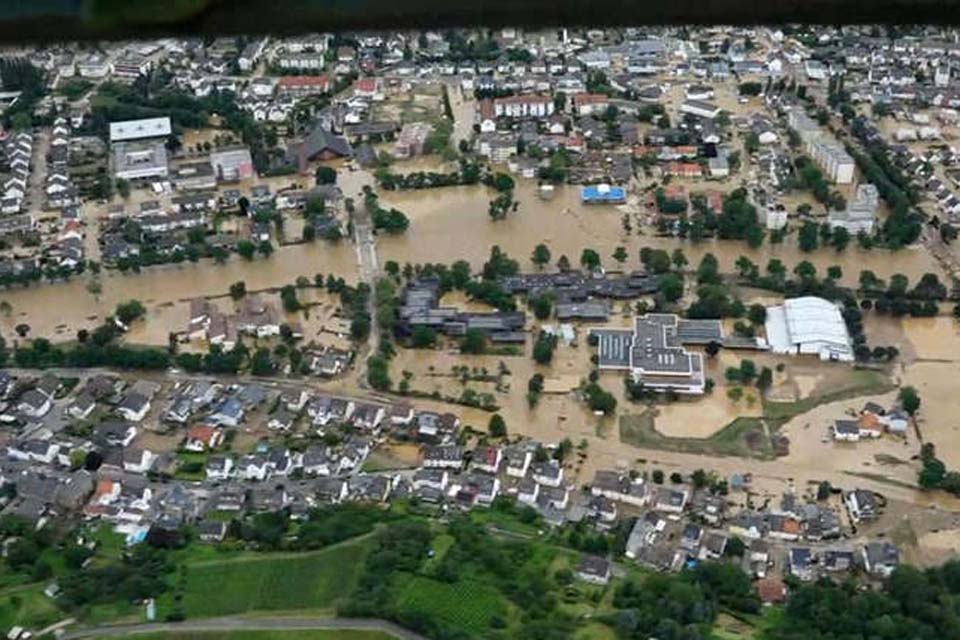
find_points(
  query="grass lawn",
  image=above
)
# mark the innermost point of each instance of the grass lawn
(378, 461)
(441, 544)
(27, 607)
(861, 382)
(504, 521)
(305, 581)
(596, 631)
(466, 604)
(334, 634)
(192, 466)
(744, 437)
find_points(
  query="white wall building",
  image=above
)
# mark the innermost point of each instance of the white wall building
(809, 326)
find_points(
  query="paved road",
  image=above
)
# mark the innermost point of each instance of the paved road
(248, 624)
(368, 272)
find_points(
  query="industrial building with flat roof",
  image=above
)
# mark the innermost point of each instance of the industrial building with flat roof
(140, 160)
(603, 194)
(811, 326)
(653, 354)
(140, 129)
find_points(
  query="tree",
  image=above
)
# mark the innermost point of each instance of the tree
(423, 337)
(503, 183)
(679, 259)
(757, 314)
(123, 188)
(655, 260)
(288, 296)
(671, 287)
(657, 476)
(765, 379)
(598, 399)
(735, 548)
(326, 175)
(590, 259)
(709, 270)
(540, 256)
(840, 238)
(378, 372)
(261, 364)
(544, 347)
(497, 426)
(474, 341)
(834, 272)
(805, 270)
(265, 248)
(699, 478)
(620, 255)
(563, 264)
(129, 311)
(809, 238)
(909, 400)
(542, 306)
(246, 249)
(238, 290)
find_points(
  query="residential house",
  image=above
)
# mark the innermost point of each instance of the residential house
(594, 569)
(801, 563)
(137, 460)
(862, 505)
(203, 437)
(487, 459)
(880, 558)
(443, 457)
(219, 467)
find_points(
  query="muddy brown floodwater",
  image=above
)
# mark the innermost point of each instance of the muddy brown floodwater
(452, 223)
(59, 310)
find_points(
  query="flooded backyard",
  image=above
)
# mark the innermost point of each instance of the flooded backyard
(58, 310)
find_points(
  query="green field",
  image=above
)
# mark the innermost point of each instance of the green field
(744, 437)
(749, 437)
(307, 581)
(338, 634)
(466, 604)
(28, 607)
(861, 382)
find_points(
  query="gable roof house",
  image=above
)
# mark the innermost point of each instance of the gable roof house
(34, 404)
(368, 416)
(137, 460)
(115, 433)
(518, 461)
(134, 406)
(487, 459)
(319, 144)
(34, 450)
(203, 437)
(548, 473)
(862, 505)
(443, 457)
(219, 467)
(620, 488)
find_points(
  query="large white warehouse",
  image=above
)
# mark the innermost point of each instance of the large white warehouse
(809, 325)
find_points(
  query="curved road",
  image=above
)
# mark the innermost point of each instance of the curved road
(248, 624)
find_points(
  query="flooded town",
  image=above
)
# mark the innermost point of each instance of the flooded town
(691, 291)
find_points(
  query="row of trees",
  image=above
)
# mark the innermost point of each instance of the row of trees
(469, 173)
(391, 220)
